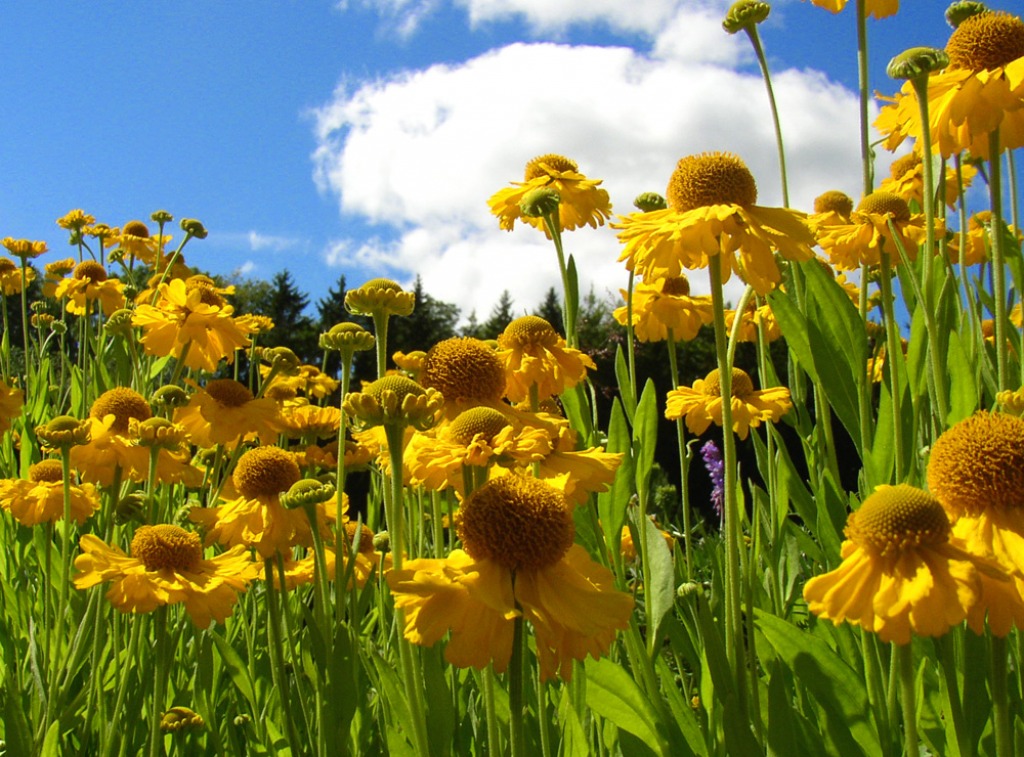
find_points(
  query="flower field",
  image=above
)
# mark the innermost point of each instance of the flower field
(213, 545)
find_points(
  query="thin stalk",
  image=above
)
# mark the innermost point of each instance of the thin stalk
(905, 661)
(553, 226)
(684, 463)
(995, 189)
(864, 100)
(630, 341)
(755, 40)
(516, 704)
(380, 333)
(1001, 721)
(947, 662)
(894, 353)
(277, 669)
(156, 739)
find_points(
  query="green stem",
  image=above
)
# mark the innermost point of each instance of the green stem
(730, 504)
(553, 226)
(995, 188)
(156, 739)
(894, 354)
(631, 342)
(954, 706)
(865, 99)
(491, 715)
(905, 661)
(516, 704)
(276, 650)
(380, 332)
(755, 40)
(684, 463)
(1000, 697)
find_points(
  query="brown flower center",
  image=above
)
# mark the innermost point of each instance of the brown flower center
(46, 471)
(711, 178)
(978, 464)
(124, 404)
(463, 368)
(365, 536)
(90, 270)
(136, 229)
(904, 165)
(265, 472)
(477, 420)
(676, 286)
(896, 517)
(228, 392)
(885, 203)
(7, 266)
(166, 547)
(526, 331)
(741, 384)
(833, 201)
(553, 161)
(986, 41)
(518, 522)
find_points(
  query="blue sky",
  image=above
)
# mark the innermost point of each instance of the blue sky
(364, 138)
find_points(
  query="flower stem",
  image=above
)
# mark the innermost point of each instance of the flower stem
(516, 705)
(865, 102)
(156, 740)
(730, 505)
(905, 661)
(894, 353)
(995, 188)
(1000, 697)
(568, 310)
(684, 462)
(755, 40)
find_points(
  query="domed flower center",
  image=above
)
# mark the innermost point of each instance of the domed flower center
(904, 165)
(46, 471)
(167, 547)
(986, 41)
(7, 266)
(402, 386)
(526, 331)
(676, 286)
(741, 383)
(520, 523)
(978, 464)
(463, 368)
(124, 404)
(90, 270)
(553, 161)
(897, 517)
(265, 472)
(477, 420)
(365, 536)
(885, 203)
(228, 392)
(711, 178)
(388, 284)
(136, 229)
(833, 201)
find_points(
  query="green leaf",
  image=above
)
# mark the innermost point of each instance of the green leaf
(613, 694)
(645, 436)
(51, 744)
(627, 392)
(237, 670)
(660, 592)
(964, 393)
(611, 505)
(834, 685)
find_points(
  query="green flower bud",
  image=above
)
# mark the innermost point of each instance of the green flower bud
(307, 492)
(540, 202)
(959, 12)
(193, 227)
(647, 202)
(64, 432)
(161, 216)
(347, 337)
(917, 62)
(169, 396)
(744, 14)
(119, 323)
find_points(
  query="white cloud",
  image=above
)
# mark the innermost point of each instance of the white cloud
(420, 152)
(245, 269)
(269, 242)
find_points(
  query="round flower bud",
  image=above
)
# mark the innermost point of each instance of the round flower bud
(119, 323)
(917, 62)
(194, 228)
(170, 396)
(959, 12)
(540, 202)
(307, 492)
(744, 14)
(647, 202)
(381, 296)
(347, 337)
(64, 432)
(161, 216)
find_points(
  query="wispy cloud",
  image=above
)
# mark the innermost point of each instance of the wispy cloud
(259, 242)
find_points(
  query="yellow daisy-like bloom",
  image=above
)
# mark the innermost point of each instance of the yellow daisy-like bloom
(11, 277)
(830, 208)
(906, 180)
(193, 324)
(868, 234)
(88, 284)
(533, 354)
(307, 379)
(411, 364)
(166, 566)
(40, 497)
(901, 572)
(256, 517)
(55, 271)
(76, 220)
(662, 304)
(380, 296)
(1012, 401)
(134, 241)
(478, 436)
(518, 560)
(578, 473)
(702, 403)
(109, 447)
(225, 412)
(24, 248)
(11, 401)
(365, 562)
(711, 211)
(976, 470)
(301, 420)
(753, 318)
(581, 200)
(873, 8)
(979, 235)
(465, 371)
(982, 90)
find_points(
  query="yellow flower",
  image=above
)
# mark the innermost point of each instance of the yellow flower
(982, 90)
(11, 401)
(581, 202)
(1012, 401)
(301, 420)
(192, 324)
(109, 447)
(518, 560)
(979, 235)
(874, 8)
(868, 234)
(702, 403)
(831, 208)
(365, 562)
(134, 241)
(576, 472)
(380, 297)
(663, 304)
(256, 517)
(75, 219)
(307, 379)
(901, 572)
(466, 372)
(906, 180)
(477, 437)
(225, 412)
(40, 497)
(712, 212)
(166, 566)
(24, 248)
(88, 284)
(533, 354)
(11, 276)
(754, 318)
(976, 470)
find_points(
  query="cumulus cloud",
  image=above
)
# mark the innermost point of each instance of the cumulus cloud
(419, 152)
